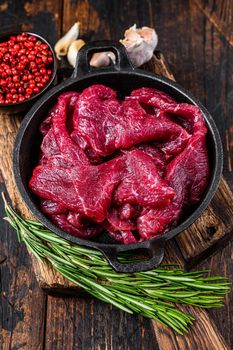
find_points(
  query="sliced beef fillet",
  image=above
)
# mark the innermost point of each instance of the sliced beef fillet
(65, 143)
(156, 154)
(188, 175)
(125, 237)
(49, 146)
(84, 189)
(87, 232)
(165, 103)
(95, 118)
(121, 223)
(116, 222)
(137, 126)
(129, 211)
(142, 184)
(46, 125)
(132, 167)
(107, 125)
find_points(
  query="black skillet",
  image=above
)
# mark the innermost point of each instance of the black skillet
(122, 77)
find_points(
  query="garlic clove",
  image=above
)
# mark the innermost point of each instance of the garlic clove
(73, 51)
(102, 59)
(62, 45)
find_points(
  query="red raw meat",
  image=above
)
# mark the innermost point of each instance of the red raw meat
(49, 207)
(188, 174)
(61, 161)
(84, 189)
(95, 118)
(47, 123)
(87, 232)
(129, 211)
(66, 145)
(106, 124)
(165, 103)
(132, 167)
(156, 154)
(138, 127)
(142, 184)
(49, 146)
(117, 223)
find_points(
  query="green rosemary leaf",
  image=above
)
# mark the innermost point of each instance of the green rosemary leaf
(150, 293)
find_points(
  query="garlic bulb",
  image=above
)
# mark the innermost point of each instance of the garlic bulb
(140, 44)
(102, 59)
(61, 47)
(73, 51)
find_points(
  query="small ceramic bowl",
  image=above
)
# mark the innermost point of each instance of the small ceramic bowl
(27, 104)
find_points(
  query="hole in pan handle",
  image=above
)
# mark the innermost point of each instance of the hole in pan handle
(155, 251)
(83, 67)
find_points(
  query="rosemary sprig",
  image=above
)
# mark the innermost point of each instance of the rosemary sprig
(150, 293)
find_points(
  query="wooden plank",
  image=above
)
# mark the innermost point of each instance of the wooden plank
(19, 329)
(58, 281)
(91, 324)
(211, 230)
(105, 19)
(203, 335)
(220, 264)
(194, 242)
(42, 17)
(220, 15)
(185, 33)
(207, 50)
(8, 128)
(93, 6)
(22, 302)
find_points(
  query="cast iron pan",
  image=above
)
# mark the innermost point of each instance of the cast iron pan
(122, 77)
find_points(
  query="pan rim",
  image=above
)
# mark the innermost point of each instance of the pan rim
(212, 187)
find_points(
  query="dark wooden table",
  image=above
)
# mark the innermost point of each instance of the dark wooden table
(197, 38)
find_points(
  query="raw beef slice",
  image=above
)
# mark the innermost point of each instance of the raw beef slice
(132, 167)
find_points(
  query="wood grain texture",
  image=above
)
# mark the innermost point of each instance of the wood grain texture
(42, 17)
(207, 70)
(194, 242)
(91, 324)
(221, 263)
(215, 226)
(22, 302)
(200, 56)
(204, 335)
(220, 15)
(212, 229)
(20, 297)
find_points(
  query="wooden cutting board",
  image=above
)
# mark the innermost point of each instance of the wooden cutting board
(209, 233)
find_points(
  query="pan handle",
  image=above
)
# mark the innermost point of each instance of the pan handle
(155, 251)
(83, 67)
